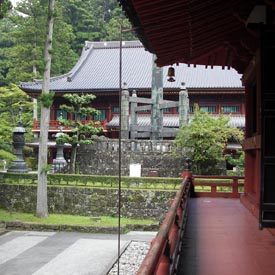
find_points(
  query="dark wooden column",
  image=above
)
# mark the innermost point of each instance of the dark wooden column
(267, 82)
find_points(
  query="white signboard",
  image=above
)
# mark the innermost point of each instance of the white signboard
(135, 170)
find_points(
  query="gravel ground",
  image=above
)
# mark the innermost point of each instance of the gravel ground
(131, 259)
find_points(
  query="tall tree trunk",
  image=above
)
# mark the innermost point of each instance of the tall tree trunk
(42, 199)
(73, 159)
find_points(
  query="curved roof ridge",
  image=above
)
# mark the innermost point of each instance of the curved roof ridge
(114, 44)
(81, 61)
(86, 52)
(38, 81)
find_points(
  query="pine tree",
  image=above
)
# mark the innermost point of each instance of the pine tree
(5, 6)
(24, 42)
(80, 107)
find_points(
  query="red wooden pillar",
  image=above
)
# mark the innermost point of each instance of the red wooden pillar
(251, 144)
(52, 113)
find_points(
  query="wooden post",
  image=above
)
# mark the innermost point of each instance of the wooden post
(183, 106)
(133, 130)
(157, 98)
(235, 188)
(124, 112)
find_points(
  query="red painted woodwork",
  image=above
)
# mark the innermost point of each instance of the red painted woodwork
(54, 126)
(211, 32)
(238, 34)
(163, 255)
(252, 143)
(222, 238)
(234, 183)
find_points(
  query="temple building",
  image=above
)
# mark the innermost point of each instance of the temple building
(215, 89)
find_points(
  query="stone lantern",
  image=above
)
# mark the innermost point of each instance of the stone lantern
(19, 165)
(59, 162)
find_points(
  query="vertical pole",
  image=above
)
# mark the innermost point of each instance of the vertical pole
(235, 188)
(183, 106)
(157, 98)
(133, 131)
(119, 148)
(35, 116)
(124, 112)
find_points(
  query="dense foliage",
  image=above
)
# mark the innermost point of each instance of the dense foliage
(5, 6)
(11, 99)
(204, 140)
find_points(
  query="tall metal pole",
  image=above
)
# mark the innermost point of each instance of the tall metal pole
(119, 139)
(119, 147)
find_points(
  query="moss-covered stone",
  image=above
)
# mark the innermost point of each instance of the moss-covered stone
(140, 204)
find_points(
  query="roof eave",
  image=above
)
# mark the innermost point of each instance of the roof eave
(131, 14)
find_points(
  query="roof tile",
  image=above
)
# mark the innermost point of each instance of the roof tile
(172, 120)
(98, 69)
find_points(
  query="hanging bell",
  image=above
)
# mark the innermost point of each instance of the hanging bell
(171, 74)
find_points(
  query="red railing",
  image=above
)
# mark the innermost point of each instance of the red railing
(218, 186)
(54, 125)
(163, 254)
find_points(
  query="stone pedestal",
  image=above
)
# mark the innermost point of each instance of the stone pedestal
(59, 162)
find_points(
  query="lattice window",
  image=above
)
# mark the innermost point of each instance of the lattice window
(101, 115)
(166, 110)
(115, 109)
(209, 109)
(230, 109)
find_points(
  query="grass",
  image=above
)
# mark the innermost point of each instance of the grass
(59, 219)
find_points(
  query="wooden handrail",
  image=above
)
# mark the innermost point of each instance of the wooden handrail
(234, 184)
(162, 257)
(163, 254)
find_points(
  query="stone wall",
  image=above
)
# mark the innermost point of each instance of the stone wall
(101, 158)
(88, 201)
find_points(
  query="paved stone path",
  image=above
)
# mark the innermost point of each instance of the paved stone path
(62, 253)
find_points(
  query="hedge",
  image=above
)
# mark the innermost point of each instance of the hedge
(94, 180)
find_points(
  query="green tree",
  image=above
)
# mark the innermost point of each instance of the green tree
(5, 6)
(23, 42)
(95, 20)
(11, 98)
(112, 27)
(6, 43)
(80, 107)
(204, 140)
(238, 161)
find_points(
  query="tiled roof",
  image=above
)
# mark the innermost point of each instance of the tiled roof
(98, 70)
(172, 121)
